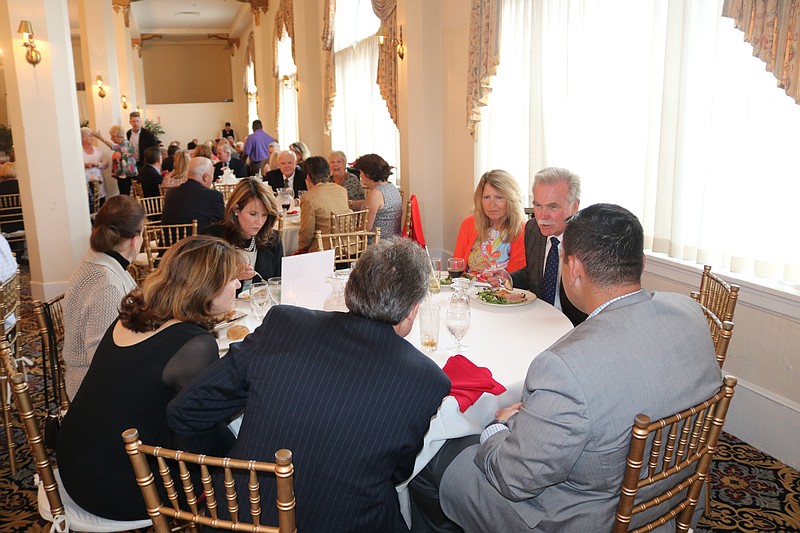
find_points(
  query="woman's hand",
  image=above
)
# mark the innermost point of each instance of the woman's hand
(248, 272)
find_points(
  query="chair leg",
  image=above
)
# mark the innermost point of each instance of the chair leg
(5, 399)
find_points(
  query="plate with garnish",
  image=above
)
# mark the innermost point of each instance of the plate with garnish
(503, 297)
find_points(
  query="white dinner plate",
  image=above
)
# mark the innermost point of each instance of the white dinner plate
(530, 298)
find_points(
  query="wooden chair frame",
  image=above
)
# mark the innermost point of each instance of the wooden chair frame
(11, 213)
(50, 318)
(51, 499)
(721, 332)
(159, 511)
(164, 235)
(679, 442)
(719, 296)
(136, 189)
(349, 222)
(153, 206)
(347, 247)
(226, 189)
(9, 303)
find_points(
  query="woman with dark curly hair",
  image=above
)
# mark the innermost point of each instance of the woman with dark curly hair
(160, 342)
(249, 224)
(383, 200)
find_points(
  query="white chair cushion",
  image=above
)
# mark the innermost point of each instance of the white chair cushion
(80, 520)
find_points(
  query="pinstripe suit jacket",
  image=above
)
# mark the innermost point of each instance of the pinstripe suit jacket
(349, 397)
(530, 277)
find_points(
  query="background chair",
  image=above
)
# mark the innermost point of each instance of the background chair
(349, 222)
(50, 318)
(94, 188)
(413, 223)
(12, 224)
(136, 189)
(717, 295)
(226, 189)
(347, 247)
(54, 503)
(721, 332)
(677, 444)
(159, 511)
(9, 302)
(153, 206)
(159, 237)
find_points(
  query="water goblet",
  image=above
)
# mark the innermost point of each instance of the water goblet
(457, 321)
(274, 289)
(259, 300)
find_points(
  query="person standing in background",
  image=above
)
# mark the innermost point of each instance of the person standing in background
(256, 147)
(227, 131)
(140, 138)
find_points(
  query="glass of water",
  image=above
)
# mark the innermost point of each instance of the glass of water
(274, 290)
(457, 321)
(259, 300)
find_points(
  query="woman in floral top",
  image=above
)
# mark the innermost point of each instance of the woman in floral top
(123, 164)
(493, 236)
(348, 180)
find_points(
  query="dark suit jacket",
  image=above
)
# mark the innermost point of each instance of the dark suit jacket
(236, 165)
(192, 200)
(150, 178)
(275, 179)
(146, 140)
(530, 277)
(349, 397)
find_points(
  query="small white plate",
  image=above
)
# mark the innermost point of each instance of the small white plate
(529, 299)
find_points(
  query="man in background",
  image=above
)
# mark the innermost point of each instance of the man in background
(288, 174)
(194, 200)
(227, 131)
(256, 147)
(150, 174)
(224, 153)
(140, 138)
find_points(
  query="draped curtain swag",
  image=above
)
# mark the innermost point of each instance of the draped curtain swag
(329, 84)
(249, 59)
(484, 56)
(772, 28)
(284, 19)
(386, 10)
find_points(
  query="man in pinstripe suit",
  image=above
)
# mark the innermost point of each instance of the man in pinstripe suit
(344, 392)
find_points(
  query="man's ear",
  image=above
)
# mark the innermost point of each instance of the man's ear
(573, 268)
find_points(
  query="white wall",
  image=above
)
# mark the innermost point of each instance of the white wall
(184, 122)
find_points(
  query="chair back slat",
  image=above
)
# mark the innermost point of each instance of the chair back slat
(700, 427)
(50, 319)
(282, 469)
(347, 247)
(136, 189)
(158, 238)
(226, 189)
(153, 206)
(349, 222)
(11, 222)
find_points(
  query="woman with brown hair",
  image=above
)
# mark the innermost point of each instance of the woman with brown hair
(383, 200)
(98, 284)
(249, 224)
(160, 342)
(493, 236)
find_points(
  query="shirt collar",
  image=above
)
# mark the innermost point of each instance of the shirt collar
(611, 301)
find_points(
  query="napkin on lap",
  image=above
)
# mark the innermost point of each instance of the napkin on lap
(468, 382)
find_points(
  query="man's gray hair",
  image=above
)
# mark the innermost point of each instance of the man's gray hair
(390, 278)
(556, 175)
(224, 146)
(198, 167)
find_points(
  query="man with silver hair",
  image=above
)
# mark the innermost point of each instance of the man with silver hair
(344, 392)
(225, 153)
(556, 197)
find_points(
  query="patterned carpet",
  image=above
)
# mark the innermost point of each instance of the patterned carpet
(751, 491)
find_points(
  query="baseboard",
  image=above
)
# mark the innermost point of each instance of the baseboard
(755, 414)
(47, 291)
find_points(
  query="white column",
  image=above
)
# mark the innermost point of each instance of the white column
(125, 61)
(99, 59)
(43, 112)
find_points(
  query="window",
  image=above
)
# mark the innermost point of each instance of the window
(360, 119)
(661, 108)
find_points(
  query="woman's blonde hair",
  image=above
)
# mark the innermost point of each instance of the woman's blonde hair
(192, 273)
(246, 190)
(180, 164)
(506, 185)
(203, 150)
(116, 131)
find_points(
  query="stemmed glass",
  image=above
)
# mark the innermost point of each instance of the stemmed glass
(274, 290)
(455, 267)
(259, 300)
(457, 321)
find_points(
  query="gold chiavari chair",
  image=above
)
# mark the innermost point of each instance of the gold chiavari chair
(676, 454)
(50, 318)
(9, 303)
(189, 511)
(11, 222)
(162, 190)
(136, 189)
(153, 206)
(721, 332)
(94, 187)
(55, 505)
(717, 295)
(347, 247)
(159, 237)
(226, 189)
(349, 222)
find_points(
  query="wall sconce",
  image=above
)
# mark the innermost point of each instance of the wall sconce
(124, 100)
(32, 55)
(101, 92)
(401, 48)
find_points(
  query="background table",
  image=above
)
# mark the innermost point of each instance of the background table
(291, 233)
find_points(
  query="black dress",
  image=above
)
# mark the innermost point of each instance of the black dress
(126, 387)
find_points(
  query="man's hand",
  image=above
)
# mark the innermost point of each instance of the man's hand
(507, 412)
(498, 278)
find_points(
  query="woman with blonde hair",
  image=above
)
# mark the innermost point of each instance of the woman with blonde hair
(123, 164)
(338, 162)
(93, 162)
(178, 175)
(249, 224)
(494, 235)
(301, 151)
(161, 341)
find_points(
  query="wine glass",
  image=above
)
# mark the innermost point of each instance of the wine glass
(455, 267)
(274, 289)
(457, 321)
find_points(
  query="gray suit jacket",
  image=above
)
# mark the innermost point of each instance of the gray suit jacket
(530, 277)
(560, 466)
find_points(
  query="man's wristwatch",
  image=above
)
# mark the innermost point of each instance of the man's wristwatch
(498, 421)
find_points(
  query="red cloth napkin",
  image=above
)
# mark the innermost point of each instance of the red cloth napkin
(468, 382)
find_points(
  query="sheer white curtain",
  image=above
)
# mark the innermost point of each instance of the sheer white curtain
(661, 108)
(287, 117)
(360, 119)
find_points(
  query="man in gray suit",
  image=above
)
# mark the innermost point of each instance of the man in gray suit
(554, 461)
(556, 197)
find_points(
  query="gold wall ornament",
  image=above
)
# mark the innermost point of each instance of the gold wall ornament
(125, 7)
(233, 43)
(257, 7)
(138, 43)
(33, 56)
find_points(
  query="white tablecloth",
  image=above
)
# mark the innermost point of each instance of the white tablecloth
(290, 233)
